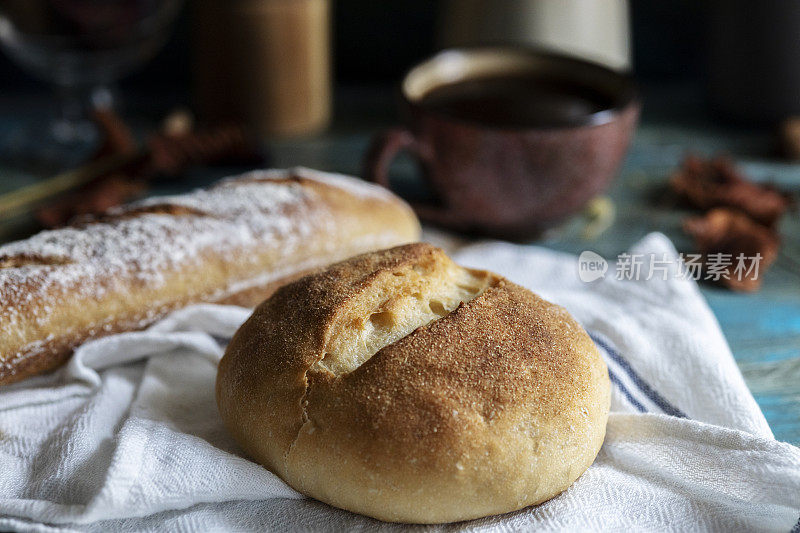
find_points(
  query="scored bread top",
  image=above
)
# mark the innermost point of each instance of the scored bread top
(399, 375)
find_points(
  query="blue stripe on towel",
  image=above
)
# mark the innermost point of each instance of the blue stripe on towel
(796, 528)
(643, 386)
(222, 341)
(616, 381)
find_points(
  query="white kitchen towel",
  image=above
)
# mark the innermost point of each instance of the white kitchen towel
(127, 436)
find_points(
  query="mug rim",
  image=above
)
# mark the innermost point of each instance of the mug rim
(623, 98)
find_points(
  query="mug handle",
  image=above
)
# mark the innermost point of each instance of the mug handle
(384, 148)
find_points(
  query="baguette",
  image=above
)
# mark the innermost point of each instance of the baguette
(235, 242)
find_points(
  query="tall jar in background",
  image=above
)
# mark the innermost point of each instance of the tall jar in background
(264, 63)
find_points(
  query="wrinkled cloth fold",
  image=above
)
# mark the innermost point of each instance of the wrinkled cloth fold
(127, 437)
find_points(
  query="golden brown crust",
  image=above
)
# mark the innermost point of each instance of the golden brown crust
(55, 351)
(500, 404)
(233, 243)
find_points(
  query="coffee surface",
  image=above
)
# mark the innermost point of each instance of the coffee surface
(517, 101)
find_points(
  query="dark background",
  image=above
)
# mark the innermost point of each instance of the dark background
(374, 42)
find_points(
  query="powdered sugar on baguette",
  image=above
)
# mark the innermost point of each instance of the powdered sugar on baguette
(147, 245)
(141, 242)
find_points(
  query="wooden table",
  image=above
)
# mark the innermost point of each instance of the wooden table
(763, 329)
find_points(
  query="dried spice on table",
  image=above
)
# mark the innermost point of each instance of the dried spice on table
(740, 221)
(751, 246)
(716, 182)
(105, 191)
(168, 154)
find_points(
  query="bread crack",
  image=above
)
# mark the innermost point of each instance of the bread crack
(304, 417)
(120, 214)
(393, 306)
(24, 260)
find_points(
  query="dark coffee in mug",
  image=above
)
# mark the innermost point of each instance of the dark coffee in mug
(510, 141)
(517, 101)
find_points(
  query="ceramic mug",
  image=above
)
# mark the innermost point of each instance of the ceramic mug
(509, 181)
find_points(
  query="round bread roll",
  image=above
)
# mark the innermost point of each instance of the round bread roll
(401, 386)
